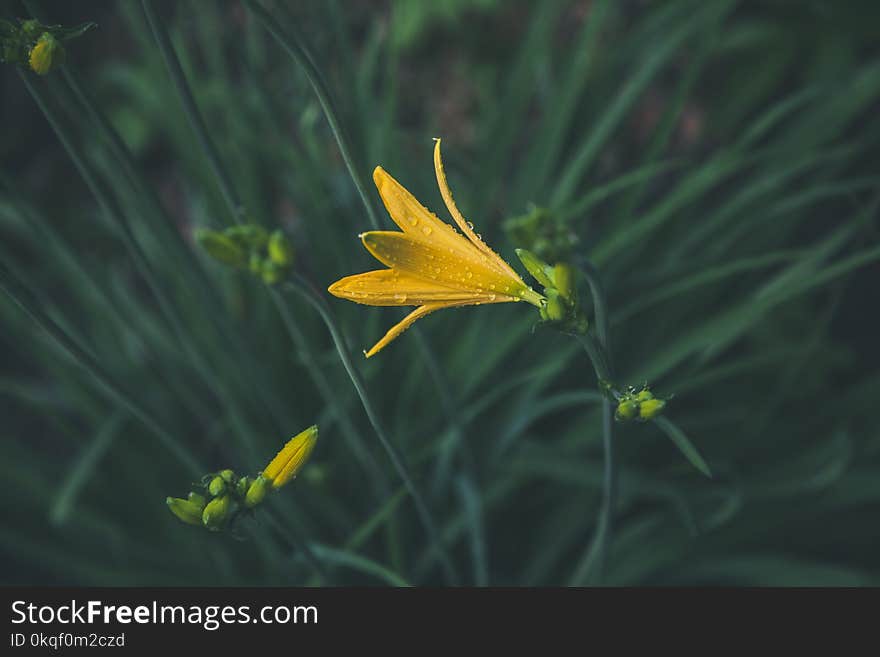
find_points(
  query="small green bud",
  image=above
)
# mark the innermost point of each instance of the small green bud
(217, 486)
(271, 272)
(31, 28)
(46, 55)
(186, 510)
(563, 278)
(256, 492)
(249, 236)
(280, 249)
(242, 486)
(644, 395)
(651, 408)
(215, 512)
(197, 499)
(255, 265)
(221, 248)
(227, 475)
(626, 410)
(540, 270)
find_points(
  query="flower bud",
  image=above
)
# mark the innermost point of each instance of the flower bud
(271, 272)
(280, 249)
(186, 510)
(250, 236)
(227, 475)
(563, 279)
(291, 458)
(221, 248)
(554, 309)
(241, 487)
(198, 500)
(540, 270)
(46, 55)
(626, 410)
(651, 408)
(215, 512)
(256, 492)
(644, 395)
(217, 486)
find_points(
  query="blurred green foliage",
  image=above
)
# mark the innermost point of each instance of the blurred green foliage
(717, 161)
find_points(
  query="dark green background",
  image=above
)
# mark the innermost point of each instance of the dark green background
(741, 261)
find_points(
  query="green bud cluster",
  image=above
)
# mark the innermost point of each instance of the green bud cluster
(30, 44)
(640, 405)
(542, 233)
(561, 309)
(250, 247)
(223, 498)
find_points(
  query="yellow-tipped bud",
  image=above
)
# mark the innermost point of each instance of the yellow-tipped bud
(540, 270)
(256, 492)
(215, 512)
(217, 486)
(651, 408)
(626, 410)
(291, 458)
(186, 510)
(280, 249)
(46, 55)
(227, 475)
(241, 487)
(221, 248)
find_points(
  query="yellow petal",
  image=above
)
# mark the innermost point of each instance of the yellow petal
(389, 287)
(420, 312)
(291, 458)
(431, 262)
(463, 225)
(420, 223)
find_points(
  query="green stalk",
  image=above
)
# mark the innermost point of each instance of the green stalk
(10, 284)
(172, 63)
(360, 451)
(596, 555)
(116, 217)
(293, 45)
(307, 291)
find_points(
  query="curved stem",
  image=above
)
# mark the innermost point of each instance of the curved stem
(294, 47)
(22, 296)
(305, 289)
(175, 71)
(595, 557)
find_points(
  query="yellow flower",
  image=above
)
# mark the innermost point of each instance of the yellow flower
(291, 458)
(431, 265)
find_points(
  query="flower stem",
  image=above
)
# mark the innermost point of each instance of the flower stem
(307, 291)
(594, 559)
(175, 71)
(293, 45)
(17, 291)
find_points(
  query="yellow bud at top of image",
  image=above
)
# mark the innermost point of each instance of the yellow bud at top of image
(46, 55)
